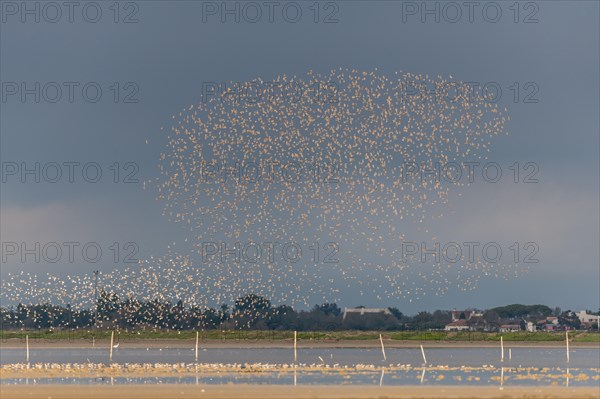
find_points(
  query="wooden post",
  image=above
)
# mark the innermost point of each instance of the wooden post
(112, 337)
(196, 346)
(501, 348)
(27, 348)
(423, 353)
(295, 345)
(567, 339)
(382, 347)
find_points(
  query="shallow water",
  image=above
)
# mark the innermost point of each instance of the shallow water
(473, 357)
(527, 367)
(382, 377)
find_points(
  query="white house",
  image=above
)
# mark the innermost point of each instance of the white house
(531, 326)
(458, 325)
(510, 328)
(586, 318)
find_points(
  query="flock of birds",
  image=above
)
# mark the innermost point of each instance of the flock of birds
(458, 374)
(325, 166)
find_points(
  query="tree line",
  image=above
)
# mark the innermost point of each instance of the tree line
(252, 312)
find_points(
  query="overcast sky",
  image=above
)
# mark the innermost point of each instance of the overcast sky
(163, 59)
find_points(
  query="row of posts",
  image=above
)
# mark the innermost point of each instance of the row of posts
(112, 346)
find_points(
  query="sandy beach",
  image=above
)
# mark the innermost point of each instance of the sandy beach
(290, 392)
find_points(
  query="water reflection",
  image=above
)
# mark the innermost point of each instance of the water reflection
(472, 377)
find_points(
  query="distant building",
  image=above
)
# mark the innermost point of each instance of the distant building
(587, 319)
(363, 311)
(368, 318)
(547, 327)
(510, 327)
(531, 326)
(458, 325)
(457, 313)
(550, 323)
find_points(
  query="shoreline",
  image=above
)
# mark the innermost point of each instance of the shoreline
(17, 343)
(292, 392)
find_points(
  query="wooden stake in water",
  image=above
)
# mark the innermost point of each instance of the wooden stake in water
(112, 337)
(295, 344)
(382, 347)
(509, 353)
(423, 353)
(27, 347)
(93, 342)
(567, 339)
(501, 348)
(196, 346)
